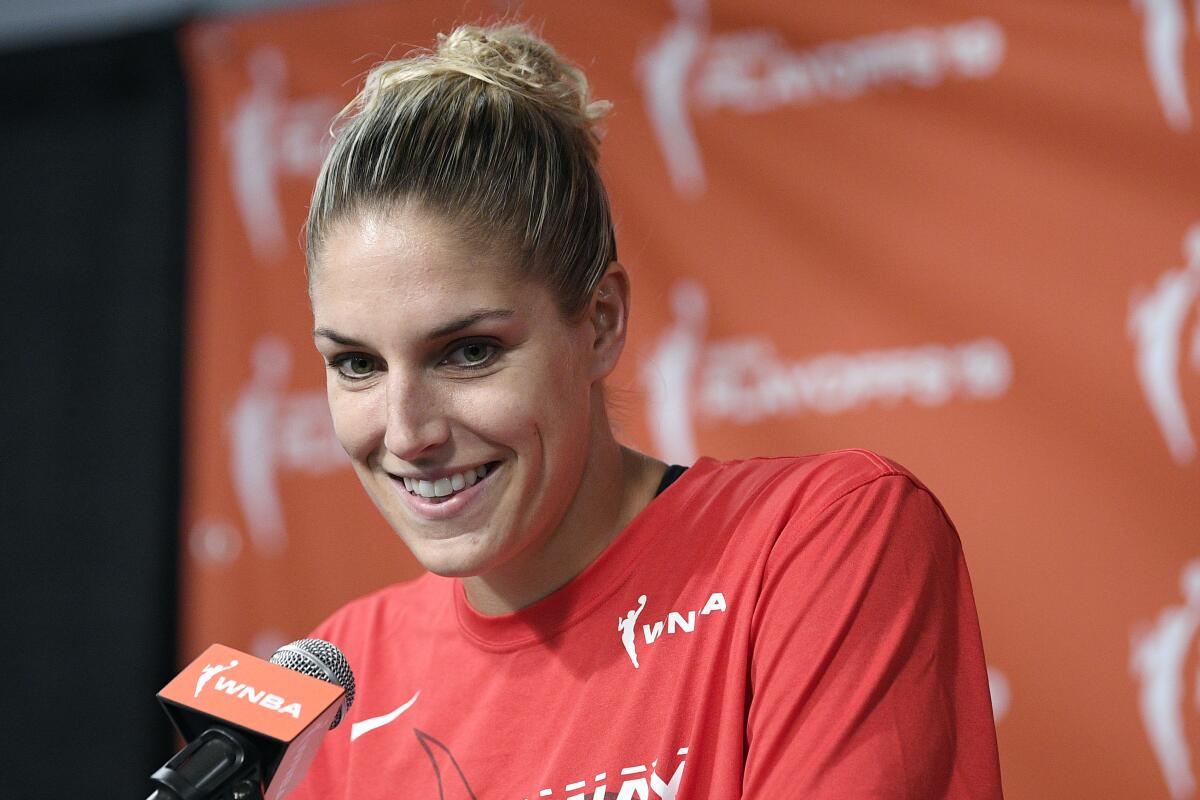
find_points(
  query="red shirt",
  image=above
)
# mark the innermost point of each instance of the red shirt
(771, 628)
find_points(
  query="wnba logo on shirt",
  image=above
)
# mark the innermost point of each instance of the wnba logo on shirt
(675, 622)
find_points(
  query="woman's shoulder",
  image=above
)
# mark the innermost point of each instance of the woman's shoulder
(816, 477)
(834, 499)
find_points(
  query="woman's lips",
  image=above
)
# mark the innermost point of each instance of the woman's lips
(448, 505)
(448, 484)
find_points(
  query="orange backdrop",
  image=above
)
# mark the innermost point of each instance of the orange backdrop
(965, 235)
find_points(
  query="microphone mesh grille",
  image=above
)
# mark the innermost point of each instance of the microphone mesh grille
(321, 660)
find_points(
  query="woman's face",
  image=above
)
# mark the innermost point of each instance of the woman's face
(461, 395)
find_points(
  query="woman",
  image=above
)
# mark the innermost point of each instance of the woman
(594, 624)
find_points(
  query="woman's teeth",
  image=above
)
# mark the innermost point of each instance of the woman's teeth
(445, 486)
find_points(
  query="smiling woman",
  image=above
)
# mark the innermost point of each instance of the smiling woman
(447, 364)
(594, 624)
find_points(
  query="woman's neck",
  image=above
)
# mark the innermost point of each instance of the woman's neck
(617, 483)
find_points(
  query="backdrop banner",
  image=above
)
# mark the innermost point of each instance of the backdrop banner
(966, 236)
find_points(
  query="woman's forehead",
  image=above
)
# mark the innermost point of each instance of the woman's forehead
(406, 250)
(411, 277)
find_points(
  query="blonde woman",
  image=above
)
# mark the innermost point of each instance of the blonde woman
(797, 627)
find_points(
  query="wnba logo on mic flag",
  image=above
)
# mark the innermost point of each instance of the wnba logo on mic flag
(253, 694)
(288, 711)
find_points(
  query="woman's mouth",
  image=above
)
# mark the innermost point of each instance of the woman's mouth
(446, 487)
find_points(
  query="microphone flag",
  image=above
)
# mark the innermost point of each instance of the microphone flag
(286, 713)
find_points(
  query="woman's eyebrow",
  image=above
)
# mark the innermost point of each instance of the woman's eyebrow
(334, 336)
(469, 320)
(454, 326)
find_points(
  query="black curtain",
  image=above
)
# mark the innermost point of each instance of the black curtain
(92, 220)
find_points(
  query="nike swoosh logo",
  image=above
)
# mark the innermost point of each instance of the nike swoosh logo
(367, 725)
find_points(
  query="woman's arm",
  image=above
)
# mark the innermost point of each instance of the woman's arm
(867, 677)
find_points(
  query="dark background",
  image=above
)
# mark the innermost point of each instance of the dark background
(93, 190)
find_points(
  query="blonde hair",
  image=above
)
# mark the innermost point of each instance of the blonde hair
(494, 131)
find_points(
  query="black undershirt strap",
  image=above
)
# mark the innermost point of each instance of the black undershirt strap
(669, 477)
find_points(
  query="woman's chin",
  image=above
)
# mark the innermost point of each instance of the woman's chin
(451, 558)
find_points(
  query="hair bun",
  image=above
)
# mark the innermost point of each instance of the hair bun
(513, 58)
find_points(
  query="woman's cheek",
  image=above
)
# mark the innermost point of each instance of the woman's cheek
(356, 422)
(495, 414)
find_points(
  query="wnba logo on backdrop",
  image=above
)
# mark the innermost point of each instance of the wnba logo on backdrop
(271, 137)
(1164, 33)
(743, 379)
(1165, 347)
(689, 68)
(1159, 659)
(271, 429)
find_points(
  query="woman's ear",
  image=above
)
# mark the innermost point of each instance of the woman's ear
(608, 313)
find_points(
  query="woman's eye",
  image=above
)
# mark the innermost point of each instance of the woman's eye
(472, 354)
(354, 366)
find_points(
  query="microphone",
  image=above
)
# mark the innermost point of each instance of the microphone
(252, 726)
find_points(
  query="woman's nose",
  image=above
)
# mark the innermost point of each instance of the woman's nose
(417, 422)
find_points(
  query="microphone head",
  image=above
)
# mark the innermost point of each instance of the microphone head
(319, 659)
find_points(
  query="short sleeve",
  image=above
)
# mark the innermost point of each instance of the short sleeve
(867, 671)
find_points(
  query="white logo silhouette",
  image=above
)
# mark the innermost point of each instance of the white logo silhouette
(753, 71)
(270, 137)
(214, 542)
(676, 622)
(1164, 31)
(368, 725)
(209, 670)
(1158, 655)
(270, 429)
(627, 626)
(1001, 692)
(638, 780)
(668, 375)
(744, 380)
(1156, 324)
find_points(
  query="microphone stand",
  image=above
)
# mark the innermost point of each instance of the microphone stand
(219, 764)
